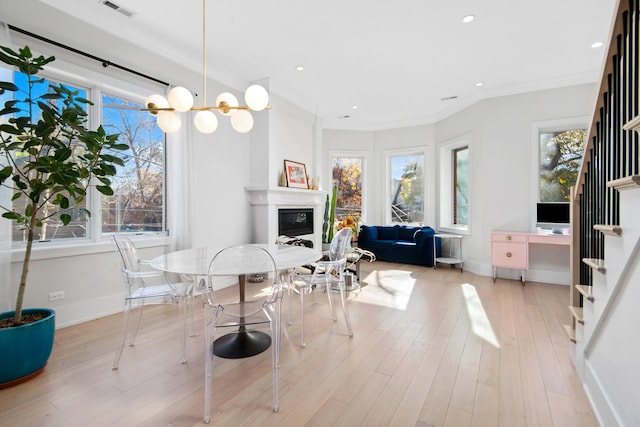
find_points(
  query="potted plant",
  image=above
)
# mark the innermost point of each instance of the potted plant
(48, 158)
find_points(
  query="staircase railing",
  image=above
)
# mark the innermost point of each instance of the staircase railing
(612, 149)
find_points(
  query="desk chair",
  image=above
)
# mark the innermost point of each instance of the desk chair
(144, 286)
(328, 273)
(244, 314)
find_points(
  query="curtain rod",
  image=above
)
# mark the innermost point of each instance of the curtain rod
(105, 63)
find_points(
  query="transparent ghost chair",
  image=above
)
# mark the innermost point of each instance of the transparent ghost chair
(144, 285)
(240, 314)
(328, 274)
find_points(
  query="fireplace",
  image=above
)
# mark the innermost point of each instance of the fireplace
(295, 222)
(267, 204)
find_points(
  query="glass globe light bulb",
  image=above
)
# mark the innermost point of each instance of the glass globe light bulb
(205, 121)
(169, 121)
(180, 99)
(229, 99)
(256, 97)
(242, 121)
(156, 101)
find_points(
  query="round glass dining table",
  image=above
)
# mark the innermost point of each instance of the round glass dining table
(194, 263)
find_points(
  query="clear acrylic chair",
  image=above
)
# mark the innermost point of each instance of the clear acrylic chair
(144, 285)
(330, 275)
(258, 307)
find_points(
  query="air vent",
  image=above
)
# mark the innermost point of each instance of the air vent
(117, 8)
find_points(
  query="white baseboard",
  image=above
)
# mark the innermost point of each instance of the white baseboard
(73, 314)
(604, 412)
(544, 276)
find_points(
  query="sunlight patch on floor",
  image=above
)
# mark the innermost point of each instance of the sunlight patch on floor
(389, 288)
(480, 324)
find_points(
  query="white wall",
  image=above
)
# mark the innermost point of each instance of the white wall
(291, 137)
(500, 169)
(89, 275)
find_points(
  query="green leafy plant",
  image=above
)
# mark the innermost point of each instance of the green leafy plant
(48, 158)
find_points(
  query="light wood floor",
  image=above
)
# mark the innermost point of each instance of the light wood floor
(430, 348)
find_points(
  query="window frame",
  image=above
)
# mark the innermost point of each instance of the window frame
(351, 155)
(164, 178)
(387, 156)
(579, 122)
(447, 184)
(94, 82)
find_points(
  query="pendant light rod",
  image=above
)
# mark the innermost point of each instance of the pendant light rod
(204, 53)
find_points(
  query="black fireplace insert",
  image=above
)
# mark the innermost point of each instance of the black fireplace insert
(295, 222)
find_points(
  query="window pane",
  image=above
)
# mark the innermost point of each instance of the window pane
(461, 186)
(560, 157)
(407, 189)
(347, 176)
(52, 227)
(138, 203)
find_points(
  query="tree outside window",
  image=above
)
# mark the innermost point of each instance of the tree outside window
(407, 189)
(461, 186)
(347, 177)
(560, 157)
(137, 204)
(454, 197)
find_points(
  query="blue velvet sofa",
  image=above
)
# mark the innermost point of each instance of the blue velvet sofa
(399, 243)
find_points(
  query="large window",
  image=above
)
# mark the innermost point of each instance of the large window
(52, 227)
(138, 203)
(406, 189)
(346, 173)
(454, 156)
(560, 154)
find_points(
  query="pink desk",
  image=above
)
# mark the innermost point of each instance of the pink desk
(510, 249)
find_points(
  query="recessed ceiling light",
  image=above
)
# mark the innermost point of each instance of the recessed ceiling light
(479, 84)
(468, 18)
(355, 107)
(299, 68)
(597, 45)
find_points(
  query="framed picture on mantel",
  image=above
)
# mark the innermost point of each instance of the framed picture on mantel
(296, 174)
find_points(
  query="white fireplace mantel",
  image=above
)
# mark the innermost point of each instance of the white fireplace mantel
(285, 195)
(265, 202)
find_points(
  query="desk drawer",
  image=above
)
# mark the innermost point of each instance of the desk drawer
(508, 237)
(509, 255)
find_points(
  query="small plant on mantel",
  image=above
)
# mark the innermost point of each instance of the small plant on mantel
(48, 158)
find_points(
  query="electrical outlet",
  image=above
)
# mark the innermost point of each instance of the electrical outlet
(55, 296)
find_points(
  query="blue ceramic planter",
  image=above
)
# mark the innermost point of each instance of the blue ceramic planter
(25, 350)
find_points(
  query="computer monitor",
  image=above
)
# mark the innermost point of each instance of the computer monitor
(554, 216)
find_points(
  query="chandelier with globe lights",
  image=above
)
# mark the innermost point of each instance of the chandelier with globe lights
(180, 99)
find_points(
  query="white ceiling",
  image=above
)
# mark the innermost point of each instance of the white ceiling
(394, 60)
